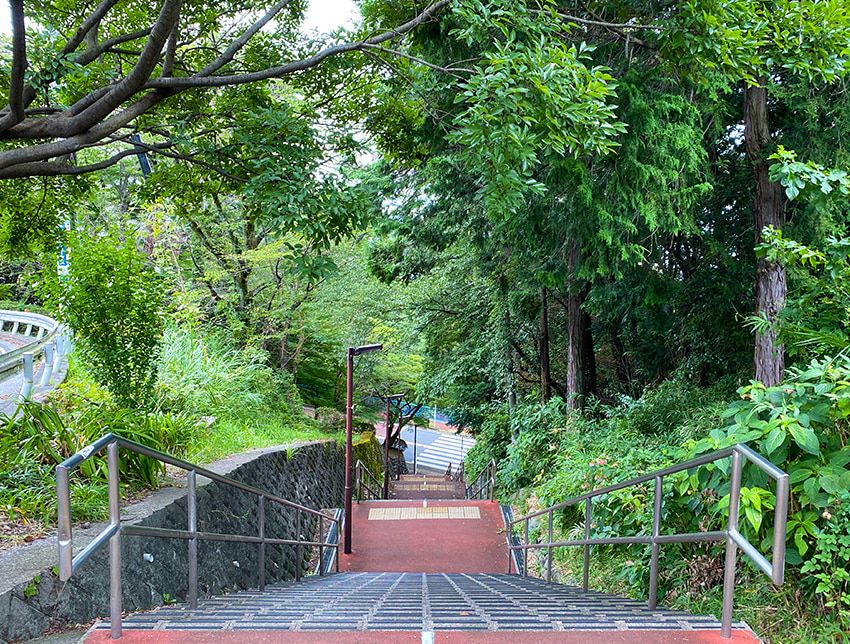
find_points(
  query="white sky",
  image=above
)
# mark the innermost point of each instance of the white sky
(322, 15)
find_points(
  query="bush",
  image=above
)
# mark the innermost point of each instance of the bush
(37, 439)
(112, 300)
(829, 565)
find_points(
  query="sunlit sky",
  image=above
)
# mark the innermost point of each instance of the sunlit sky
(322, 15)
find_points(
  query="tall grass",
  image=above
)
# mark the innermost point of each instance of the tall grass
(252, 405)
(206, 375)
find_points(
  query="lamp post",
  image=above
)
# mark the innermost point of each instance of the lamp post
(349, 449)
(387, 446)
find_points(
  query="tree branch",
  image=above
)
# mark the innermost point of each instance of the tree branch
(400, 54)
(44, 151)
(91, 119)
(19, 66)
(228, 54)
(61, 167)
(297, 65)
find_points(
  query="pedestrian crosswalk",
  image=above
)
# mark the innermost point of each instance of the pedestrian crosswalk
(446, 448)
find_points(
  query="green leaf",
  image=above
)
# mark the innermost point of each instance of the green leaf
(774, 440)
(806, 438)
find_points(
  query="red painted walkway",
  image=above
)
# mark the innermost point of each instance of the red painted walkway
(426, 544)
(415, 637)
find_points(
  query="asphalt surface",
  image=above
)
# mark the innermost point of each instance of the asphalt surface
(434, 449)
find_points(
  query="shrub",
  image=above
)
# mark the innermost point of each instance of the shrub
(112, 300)
(37, 439)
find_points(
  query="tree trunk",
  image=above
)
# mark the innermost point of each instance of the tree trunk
(545, 370)
(575, 334)
(768, 210)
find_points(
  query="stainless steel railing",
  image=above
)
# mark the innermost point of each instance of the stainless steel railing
(483, 486)
(69, 564)
(363, 477)
(775, 569)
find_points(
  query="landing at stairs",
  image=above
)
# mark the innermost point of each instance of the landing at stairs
(418, 486)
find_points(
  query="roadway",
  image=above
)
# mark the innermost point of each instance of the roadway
(434, 449)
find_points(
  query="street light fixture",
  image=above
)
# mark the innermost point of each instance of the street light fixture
(349, 450)
(387, 435)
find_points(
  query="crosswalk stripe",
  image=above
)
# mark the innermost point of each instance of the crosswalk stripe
(453, 441)
(444, 446)
(442, 463)
(444, 452)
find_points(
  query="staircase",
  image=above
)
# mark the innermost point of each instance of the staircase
(418, 486)
(419, 602)
(433, 562)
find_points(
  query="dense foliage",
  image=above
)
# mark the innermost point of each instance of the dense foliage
(606, 237)
(112, 299)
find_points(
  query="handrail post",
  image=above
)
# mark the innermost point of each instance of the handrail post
(386, 486)
(510, 539)
(321, 547)
(779, 526)
(112, 468)
(47, 368)
(192, 520)
(656, 531)
(731, 546)
(357, 485)
(549, 549)
(261, 555)
(298, 554)
(525, 552)
(492, 466)
(26, 387)
(588, 516)
(63, 505)
(338, 537)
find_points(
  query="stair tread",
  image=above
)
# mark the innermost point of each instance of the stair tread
(416, 602)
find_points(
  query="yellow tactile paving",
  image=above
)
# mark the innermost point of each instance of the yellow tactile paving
(406, 514)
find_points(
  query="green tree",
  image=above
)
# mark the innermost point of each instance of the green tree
(112, 300)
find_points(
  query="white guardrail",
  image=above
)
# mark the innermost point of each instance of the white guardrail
(42, 337)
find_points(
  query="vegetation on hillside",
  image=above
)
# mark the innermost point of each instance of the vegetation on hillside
(606, 237)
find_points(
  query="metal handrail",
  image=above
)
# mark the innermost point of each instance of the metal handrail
(68, 563)
(484, 483)
(359, 468)
(458, 475)
(775, 569)
(47, 330)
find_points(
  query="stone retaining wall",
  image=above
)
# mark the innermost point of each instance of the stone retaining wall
(154, 570)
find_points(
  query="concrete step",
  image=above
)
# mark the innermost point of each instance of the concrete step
(397, 604)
